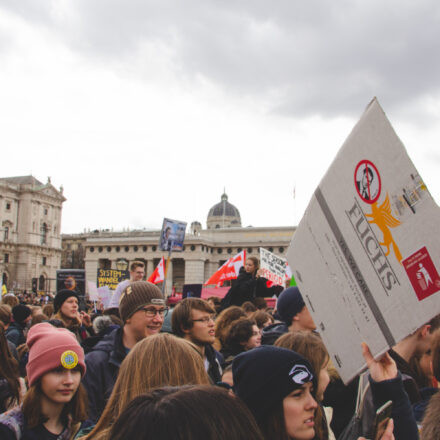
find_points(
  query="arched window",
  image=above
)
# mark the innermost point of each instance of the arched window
(41, 282)
(43, 233)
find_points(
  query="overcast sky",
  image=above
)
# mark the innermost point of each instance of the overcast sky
(148, 109)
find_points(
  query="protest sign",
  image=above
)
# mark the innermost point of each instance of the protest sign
(105, 295)
(272, 267)
(366, 255)
(93, 291)
(172, 235)
(111, 277)
(72, 279)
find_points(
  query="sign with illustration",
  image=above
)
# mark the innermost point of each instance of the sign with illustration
(367, 251)
(172, 235)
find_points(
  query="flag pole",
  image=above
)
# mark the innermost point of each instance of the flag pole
(166, 270)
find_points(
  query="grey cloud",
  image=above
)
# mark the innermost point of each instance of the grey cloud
(301, 58)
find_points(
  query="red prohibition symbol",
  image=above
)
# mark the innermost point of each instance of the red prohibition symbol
(367, 181)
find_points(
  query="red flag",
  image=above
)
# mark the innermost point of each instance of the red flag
(229, 270)
(159, 273)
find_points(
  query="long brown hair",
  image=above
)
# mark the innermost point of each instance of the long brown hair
(75, 410)
(8, 370)
(168, 413)
(159, 360)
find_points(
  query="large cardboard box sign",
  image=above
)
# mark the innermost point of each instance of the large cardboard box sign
(366, 254)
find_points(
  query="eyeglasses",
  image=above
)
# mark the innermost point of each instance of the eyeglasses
(204, 320)
(151, 312)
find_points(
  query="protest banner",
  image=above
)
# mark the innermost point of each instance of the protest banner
(366, 254)
(111, 277)
(273, 267)
(172, 235)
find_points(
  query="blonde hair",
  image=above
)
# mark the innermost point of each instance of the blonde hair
(156, 361)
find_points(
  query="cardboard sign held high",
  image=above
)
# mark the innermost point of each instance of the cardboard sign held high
(366, 255)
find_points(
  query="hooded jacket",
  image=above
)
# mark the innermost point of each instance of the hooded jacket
(272, 332)
(102, 371)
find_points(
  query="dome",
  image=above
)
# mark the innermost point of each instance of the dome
(223, 215)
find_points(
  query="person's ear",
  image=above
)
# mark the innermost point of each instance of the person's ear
(186, 331)
(425, 330)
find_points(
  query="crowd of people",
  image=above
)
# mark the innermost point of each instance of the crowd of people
(205, 369)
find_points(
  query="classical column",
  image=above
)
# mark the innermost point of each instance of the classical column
(169, 284)
(194, 271)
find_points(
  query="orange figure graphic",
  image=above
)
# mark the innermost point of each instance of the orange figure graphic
(382, 217)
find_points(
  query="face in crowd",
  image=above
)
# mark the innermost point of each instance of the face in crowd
(202, 331)
(69, 307)
(147, 321)
(249, 266)
(60, 384)
(137, 274)
(305, 320)
(255, 340)
(299, 413)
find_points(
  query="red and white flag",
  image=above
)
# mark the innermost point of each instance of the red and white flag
(229, 270)
(159, 273)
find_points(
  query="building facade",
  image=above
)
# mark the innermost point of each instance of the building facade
(30, 239)
(205, 250)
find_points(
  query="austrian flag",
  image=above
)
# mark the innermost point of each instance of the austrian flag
(159, 273)
(229, 270)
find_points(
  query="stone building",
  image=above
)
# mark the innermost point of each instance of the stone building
(30, 240)
(204, 250)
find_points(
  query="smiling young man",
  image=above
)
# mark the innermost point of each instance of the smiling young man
(142, 309)
(193, 319)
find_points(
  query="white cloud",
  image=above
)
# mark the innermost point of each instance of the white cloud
(148, 109)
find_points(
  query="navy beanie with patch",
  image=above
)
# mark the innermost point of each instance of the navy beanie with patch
(290, 303)
(264, 376)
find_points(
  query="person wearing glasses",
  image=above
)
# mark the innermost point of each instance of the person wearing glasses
(193, 319)
(142, 310)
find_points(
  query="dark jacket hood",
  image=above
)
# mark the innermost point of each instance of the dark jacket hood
(272, 332)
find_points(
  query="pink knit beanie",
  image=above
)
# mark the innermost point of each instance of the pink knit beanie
(50, 348)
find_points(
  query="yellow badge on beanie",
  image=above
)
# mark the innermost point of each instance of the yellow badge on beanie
(69, 359)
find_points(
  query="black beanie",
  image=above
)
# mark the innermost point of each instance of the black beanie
(264, 376)
(290, 303)
(61, 296)
(20, 313)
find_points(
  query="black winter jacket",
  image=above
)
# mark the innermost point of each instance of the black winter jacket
(102, 370)
(245, 288)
